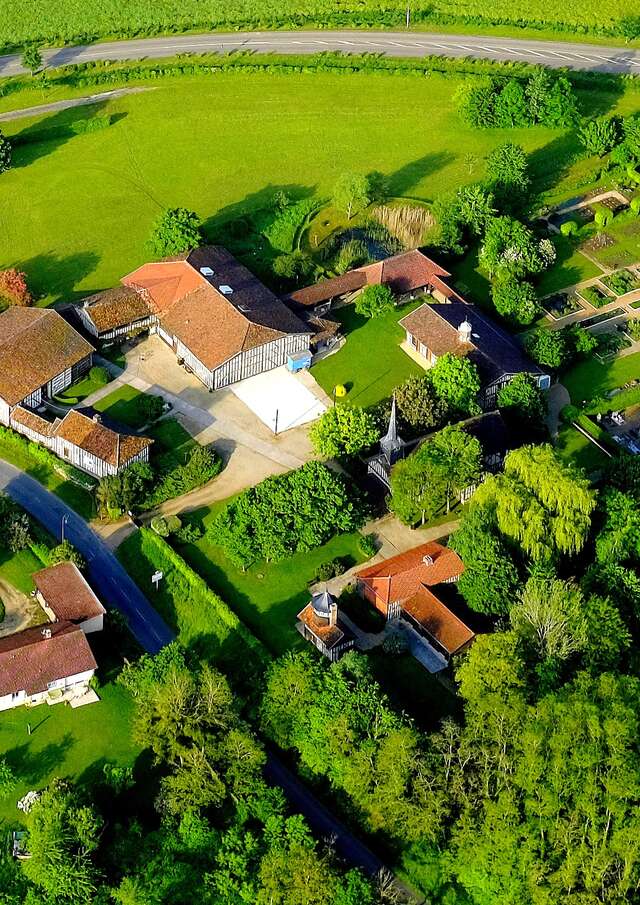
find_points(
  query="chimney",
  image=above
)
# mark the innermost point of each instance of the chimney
(97, 419)
(333, 613)
(46, 633)
(464, 332)
(427, 560)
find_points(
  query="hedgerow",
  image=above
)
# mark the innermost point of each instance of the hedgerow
(71, 22)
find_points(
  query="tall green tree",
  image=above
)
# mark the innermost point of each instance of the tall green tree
(352, 193)
(457, 382)
(539, 502)
(490, 579)
(176, 230)
(418, 404)
(375, 300)
(343, 430)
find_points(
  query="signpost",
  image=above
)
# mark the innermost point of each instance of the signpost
(156, 579)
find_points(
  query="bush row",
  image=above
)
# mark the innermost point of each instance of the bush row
(77, 127)
(198, 610)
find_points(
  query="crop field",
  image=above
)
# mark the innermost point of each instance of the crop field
(76, 211)
(68, 21)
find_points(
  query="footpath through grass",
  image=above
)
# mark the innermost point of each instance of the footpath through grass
(371, 363)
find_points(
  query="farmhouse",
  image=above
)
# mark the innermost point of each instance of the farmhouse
(433, 330)
(53, 663)
(84, 440)
(320, 623)
(40, 355)
(408, 588)
(408, 275)
(65, 596)
(222, 323)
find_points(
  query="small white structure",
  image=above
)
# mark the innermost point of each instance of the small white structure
(53, 663)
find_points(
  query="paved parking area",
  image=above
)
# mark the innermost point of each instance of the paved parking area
(280, 399)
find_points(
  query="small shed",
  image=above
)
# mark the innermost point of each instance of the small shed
(298, 361)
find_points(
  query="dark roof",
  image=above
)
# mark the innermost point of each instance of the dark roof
(29, 661)
(66, 592)
(492, 432)
(492, 349)
(35, 346)
(402, 273)
(117, 307)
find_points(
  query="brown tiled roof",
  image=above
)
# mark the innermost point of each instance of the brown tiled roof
(35, 346)
(330, 635)
(187, 293)
(96, 438)
(436, 334)
(438, 620)
(402, 273)
(67, 594)
(116, 307)
(29, 661)
(400, 577)
(34, 422)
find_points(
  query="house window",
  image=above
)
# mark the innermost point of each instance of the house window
(423, 350)
(544, 382)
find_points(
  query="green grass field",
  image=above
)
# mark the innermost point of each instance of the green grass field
(77, 212)
(123, 404)
(575, 449)
(68, 21)
(589, 379)
(268, 596)
(371, 362)
(79, 391)
(17, 568)
(65, 742)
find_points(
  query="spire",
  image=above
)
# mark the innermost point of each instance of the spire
(391, 444)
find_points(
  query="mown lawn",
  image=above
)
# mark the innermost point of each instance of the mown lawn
(570, 267)
(371, 362)
(123, 405)
(81, 209)
(575, 449)
(268, 596)
(589, 379)
(17, 568)
(79, 391)
(172, 443)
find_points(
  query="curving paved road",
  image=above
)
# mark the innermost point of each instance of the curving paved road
(113, 584)
(556, 54)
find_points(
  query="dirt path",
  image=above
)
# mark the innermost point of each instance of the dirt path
(55, 106)
(20, 611)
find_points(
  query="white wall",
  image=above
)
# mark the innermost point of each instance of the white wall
(77, 683)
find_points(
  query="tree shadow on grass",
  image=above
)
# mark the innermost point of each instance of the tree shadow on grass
(49, 274)
(403, 180)
(34, 766)
(45, 136)
(598, 100)
(550, 164)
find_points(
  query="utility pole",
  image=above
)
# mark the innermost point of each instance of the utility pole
(408, 15)
(62, 524)
(275, 427)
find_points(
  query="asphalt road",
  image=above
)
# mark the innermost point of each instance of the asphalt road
(114, 586)
(557, 54)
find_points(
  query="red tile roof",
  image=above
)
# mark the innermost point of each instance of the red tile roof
(29, 661)
(34, 422)
(330, 635)
(96, 438)
(434, 332)
(66, 592)
(117, 307)
(438, 620)
(402, 273)
(35, 346)
(399, 578)
(165, 282)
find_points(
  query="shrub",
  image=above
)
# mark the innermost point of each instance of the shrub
(13, 288)
(367, 545)
(343, 430)
(602, 215)
(176, 230)
(352, 254)
(202, 466)
(330, 569)
(189, 533)
(165, 525)
(99, 376)
(569, 228)
(633, 328)
(283, 232)
(569, 413)
(5, 153)
(66, 552)
(374, 301)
